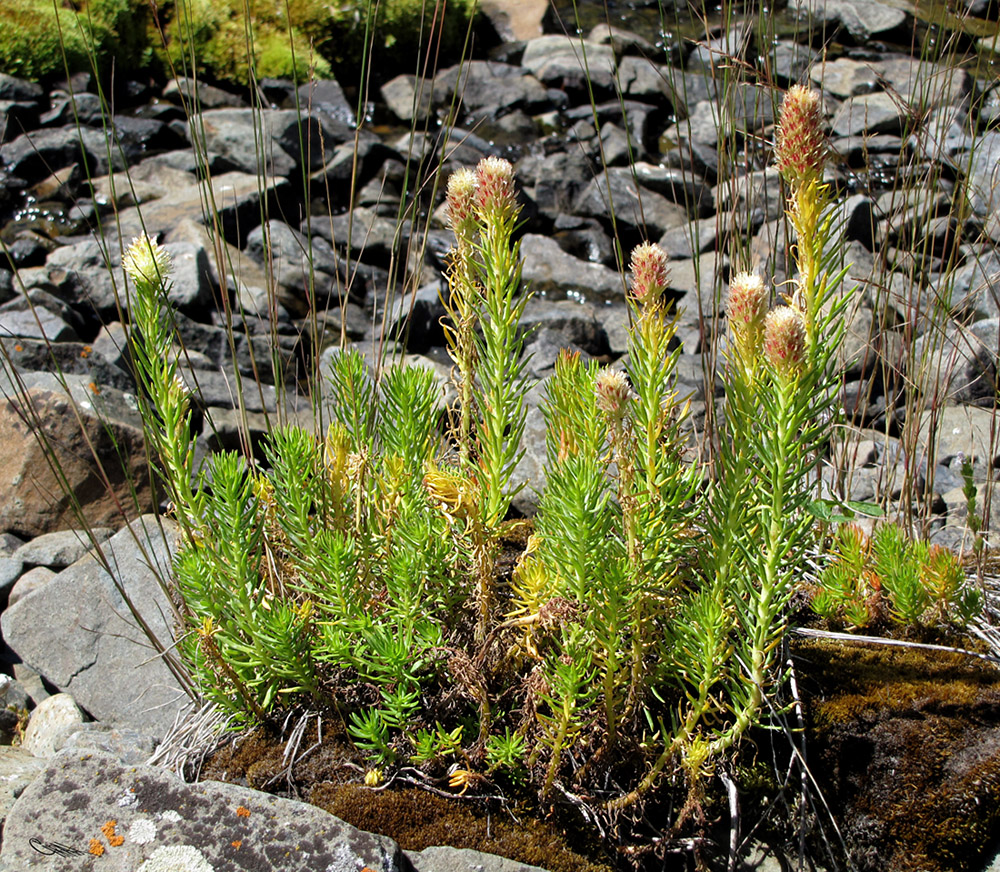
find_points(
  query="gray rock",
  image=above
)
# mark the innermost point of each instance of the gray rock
(752, 198)
(191, 287)
(207, 826)
(129, 746)
(353, 163)
(326, 98)
(923, 84)
(292, 260)
(409, 98)
(12, 88)
(682, 188)
(868, 114)
(558, 63)
(10, 571)
(957, 366)
(61, 548)
(984, 174)
(700, 281)
(551, 271)
(491, 88)
(31, 581)
(844, 77)
(50, 723)
(236, 196)
(38, 323)
(33, 156)
(862, 19)
(975, 285)
(18, 769)
(529, 474)
(216, 387)
(86, 270)
(649, 82)
(639, 209)
(78, 631)
(439, 859)
(961, 430)
(191, 93)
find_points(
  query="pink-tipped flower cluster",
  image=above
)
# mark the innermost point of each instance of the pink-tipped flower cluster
(495, 198)
(801, 150)
(613, 394)
(649, 273)
(785, 342)
(749, 299)
(460, 203)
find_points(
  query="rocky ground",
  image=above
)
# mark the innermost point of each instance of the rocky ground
(915, 168)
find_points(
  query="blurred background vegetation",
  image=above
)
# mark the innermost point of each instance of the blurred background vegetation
(298, 39)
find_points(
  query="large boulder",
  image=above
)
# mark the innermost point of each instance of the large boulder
(64, 453)
(81, 630)
(144, 818)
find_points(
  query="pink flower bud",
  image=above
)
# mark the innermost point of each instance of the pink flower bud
(495, 196)
(649, 273)
(785, 342)
(613, 393)
(801, 150)
(748, 303)
(460, 203)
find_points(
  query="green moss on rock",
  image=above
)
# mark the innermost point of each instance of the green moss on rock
(906, 744)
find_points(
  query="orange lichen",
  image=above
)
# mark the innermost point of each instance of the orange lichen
(109, 833)
(96, 848)
(94, 389)
(238, 843)
(243, 811)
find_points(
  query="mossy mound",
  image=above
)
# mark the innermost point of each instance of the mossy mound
(39, 40)
(905, 744)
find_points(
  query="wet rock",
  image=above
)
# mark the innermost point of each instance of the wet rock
(862, 19)
(551, 271)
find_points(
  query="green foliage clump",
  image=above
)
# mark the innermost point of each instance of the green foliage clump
(229, 39)
(910, 581)
(398, 30)
(365, 568)
(39, 39)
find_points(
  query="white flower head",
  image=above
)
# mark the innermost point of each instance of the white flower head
(147, 262)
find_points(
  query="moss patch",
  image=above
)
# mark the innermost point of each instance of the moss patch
(906, 743)
(418, 820)
(328, 777)
(39, 41)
